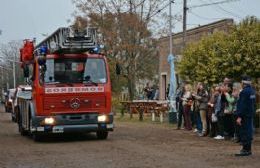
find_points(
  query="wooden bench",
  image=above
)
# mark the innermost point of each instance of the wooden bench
(125, 107)
(160, 110)
(155, 108)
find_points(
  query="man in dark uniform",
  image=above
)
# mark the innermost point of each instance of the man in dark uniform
(179, 106)
(245, 113)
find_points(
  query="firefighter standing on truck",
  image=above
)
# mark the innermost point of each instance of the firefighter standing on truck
(245, 113)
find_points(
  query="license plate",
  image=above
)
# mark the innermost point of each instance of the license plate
(57, 129)
(40, 129)
(110, 126)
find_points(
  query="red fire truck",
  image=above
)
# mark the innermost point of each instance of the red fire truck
(71, 88)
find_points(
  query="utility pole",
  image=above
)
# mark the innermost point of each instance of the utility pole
(14, 74)
(172, 111)
(185, 8)
(170, 26)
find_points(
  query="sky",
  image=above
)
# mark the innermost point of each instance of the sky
(27, 19)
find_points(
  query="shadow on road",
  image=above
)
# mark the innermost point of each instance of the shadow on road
(67, 138)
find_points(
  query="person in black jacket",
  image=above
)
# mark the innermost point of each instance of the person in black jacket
(180, 92)
(148, 91)
(245, 113)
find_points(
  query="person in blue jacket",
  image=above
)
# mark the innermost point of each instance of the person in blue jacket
(245, 114)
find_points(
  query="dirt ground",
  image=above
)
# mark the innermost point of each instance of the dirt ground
(131, 145)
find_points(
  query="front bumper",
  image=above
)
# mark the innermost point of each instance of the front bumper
(72, 123)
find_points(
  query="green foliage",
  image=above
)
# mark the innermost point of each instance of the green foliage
(224, 55)
(116, 105)
(117, 80)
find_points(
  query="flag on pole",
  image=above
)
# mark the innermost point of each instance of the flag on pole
(172, 77)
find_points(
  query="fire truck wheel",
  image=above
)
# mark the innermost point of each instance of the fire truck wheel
(30, 127)
(102, 134)
(21, 129)
(37, 137)
(15, 114)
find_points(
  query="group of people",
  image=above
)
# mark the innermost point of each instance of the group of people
(151, 93)
(223, 112)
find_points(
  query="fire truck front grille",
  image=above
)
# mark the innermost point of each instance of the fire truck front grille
(74, 103)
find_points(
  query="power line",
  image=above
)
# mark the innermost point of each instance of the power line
(157, 12)
(185, 9)
(228, 12)
(141, 3)
(160, 10)
(213, 3)
(239, 9)
(205, 18)
(217, 4)
(136, 6)
(231, 13)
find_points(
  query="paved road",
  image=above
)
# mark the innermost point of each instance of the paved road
(131, 145)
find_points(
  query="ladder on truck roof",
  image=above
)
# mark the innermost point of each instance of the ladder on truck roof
(66, 40)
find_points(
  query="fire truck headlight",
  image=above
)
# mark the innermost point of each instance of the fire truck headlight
(49, 121)
(102, 118)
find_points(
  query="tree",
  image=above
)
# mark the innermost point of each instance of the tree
(244, 47)
(124, 29)
(10, 52)
(224, 55)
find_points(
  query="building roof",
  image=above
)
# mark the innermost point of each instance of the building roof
(193, 30)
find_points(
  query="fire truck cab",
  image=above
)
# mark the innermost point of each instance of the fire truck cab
(71, 88)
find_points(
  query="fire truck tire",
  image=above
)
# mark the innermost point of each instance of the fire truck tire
(102, 135)
(16, 110)
(37, 137)
(22, 131)
(30, 128)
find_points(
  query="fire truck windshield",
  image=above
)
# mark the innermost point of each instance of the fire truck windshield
(75, 71)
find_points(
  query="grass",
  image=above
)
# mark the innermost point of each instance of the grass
(147, 119)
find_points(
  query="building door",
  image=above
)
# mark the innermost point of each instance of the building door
(164, 86)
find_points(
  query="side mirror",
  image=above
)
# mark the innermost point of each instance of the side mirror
(118, 69)
(26, 71)
(42, 66)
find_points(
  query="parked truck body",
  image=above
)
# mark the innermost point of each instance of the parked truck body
(71, 89)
